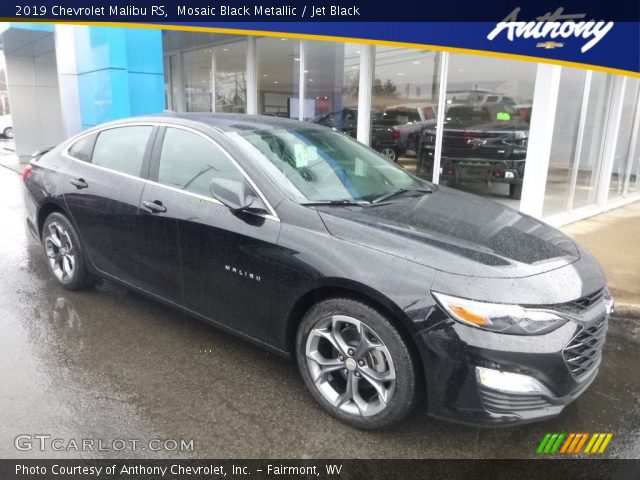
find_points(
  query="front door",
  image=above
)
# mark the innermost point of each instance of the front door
(224, 255)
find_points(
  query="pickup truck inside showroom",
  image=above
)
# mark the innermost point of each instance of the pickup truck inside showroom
(481, 143)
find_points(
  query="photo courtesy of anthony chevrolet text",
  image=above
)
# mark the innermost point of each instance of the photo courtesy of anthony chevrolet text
(291, 239)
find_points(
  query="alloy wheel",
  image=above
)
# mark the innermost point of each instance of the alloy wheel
(60, 251)
(390, 153)
(350, 365)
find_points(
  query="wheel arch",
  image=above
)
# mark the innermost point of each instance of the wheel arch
(337, 288)
(47, 209)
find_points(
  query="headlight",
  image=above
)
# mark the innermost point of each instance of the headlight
(521, 134)
(498, 317)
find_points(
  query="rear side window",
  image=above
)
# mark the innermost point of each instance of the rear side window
(189, 162)
(122, 148)
(83, 148)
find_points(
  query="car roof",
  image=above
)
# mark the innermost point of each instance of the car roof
(237, 122)
(225, 122)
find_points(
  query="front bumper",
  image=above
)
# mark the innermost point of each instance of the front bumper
(452, 351)
(497, 169)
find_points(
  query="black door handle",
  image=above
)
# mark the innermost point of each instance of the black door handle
(79, 183)
(155, 206)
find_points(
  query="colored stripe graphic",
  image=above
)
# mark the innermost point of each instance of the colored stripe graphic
(556, 445)
(573, 443)
(582, 442)
(567, 442)
(543, 443)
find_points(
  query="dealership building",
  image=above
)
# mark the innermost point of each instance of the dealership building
(578, 128)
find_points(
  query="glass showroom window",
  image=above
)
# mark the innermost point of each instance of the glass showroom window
(229, 64)
(331, 74)
(486, 126)
(220, 69)
(633, 170)
(278, 76)
(591, 156)
(405, 96)
(578, 140)
(173, 83)
(168, 81)
(623, 174)
(197, 80)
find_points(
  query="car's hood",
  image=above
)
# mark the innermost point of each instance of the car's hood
(455, 232)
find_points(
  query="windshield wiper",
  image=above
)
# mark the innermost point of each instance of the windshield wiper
(334, 202)
(401, 191)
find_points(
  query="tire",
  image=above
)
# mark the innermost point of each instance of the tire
(64, 253)
(515, 191)
(8, 132)
(332, 355)
(426, 165)
(390, 153)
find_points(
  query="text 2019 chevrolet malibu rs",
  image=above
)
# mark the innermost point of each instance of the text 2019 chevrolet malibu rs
(387, 289)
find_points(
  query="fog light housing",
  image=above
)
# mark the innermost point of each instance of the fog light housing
(510, 382)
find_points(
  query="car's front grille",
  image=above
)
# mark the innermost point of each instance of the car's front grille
(499, 402)
(588, 300)
(585, 350)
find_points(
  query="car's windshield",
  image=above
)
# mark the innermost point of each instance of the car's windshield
(468, 116)
(401, 115)
(322, 165)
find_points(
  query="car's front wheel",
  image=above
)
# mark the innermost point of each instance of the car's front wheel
(390, 153)
(356, 363)
(8, 132)
(64, 252)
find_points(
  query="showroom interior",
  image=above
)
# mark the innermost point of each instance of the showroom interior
(572, 132)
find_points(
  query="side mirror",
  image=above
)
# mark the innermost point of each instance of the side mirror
(234, 195)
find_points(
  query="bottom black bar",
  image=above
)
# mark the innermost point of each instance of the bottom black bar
(317, 469)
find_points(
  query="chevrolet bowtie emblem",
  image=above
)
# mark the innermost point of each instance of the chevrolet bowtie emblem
(550, 45)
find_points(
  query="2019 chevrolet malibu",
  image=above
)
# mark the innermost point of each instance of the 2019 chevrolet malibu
(386, 288)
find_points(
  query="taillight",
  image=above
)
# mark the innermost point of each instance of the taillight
(26, 172)
(395, 134)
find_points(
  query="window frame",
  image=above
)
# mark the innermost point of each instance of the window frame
(154, 167)
(80, 139)
(144, 165)
(156, 157)
(152, 158)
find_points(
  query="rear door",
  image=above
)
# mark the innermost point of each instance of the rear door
(227, 258)
(102, 191)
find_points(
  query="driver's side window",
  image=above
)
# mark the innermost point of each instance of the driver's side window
(189, 162)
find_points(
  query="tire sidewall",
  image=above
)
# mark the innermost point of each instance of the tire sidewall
(79, 276)
(405, 394)
(393, 158)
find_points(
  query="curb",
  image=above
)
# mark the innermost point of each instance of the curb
(626, 310)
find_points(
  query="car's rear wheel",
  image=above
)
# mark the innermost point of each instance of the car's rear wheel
(390, 153)
(8, 132)
(356, 364)
(64, 252)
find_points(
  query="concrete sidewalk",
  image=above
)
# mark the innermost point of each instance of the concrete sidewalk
(614, 239)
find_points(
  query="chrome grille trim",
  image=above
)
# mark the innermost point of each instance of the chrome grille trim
(584, 352)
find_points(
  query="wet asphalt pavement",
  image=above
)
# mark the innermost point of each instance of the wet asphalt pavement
(106, 363)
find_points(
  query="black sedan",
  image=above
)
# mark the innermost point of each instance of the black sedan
(387, 289)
